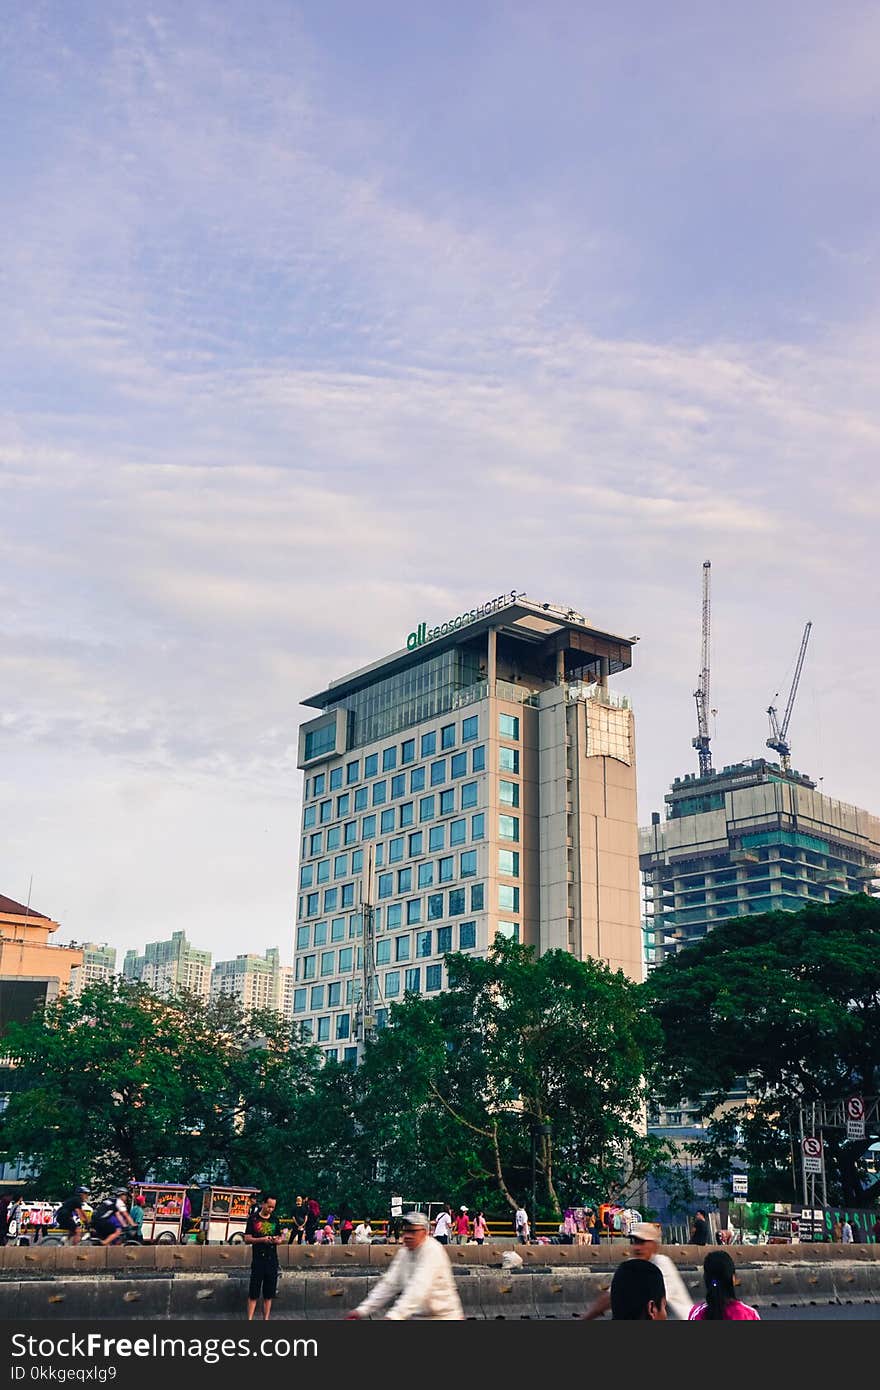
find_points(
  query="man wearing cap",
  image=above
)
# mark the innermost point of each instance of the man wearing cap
(462, 1226)
(645, 1238)
(419, 1282)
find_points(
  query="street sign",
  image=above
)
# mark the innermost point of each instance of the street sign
(855, 1118)
(812, 1152)
(740, 1184)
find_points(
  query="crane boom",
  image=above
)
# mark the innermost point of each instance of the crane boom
(701, 694)
(778, 739)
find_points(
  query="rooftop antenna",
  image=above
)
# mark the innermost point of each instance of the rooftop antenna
(701, 694)
(778, 739)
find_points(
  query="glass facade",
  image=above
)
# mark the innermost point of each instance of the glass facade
(411, 697)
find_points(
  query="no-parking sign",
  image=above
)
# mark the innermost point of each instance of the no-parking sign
(812, 1154)
(855, 1118)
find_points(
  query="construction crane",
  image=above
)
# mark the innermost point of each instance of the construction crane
(701, 694)
(778, 739)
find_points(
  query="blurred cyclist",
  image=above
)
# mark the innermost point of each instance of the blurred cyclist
(71, 1216)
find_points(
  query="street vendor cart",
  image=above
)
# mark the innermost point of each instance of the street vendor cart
(164, 1207)
(225, 1211)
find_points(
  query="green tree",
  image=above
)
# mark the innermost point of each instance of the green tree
(783, 1005)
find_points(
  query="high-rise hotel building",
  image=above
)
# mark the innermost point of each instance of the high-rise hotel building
(480, 780)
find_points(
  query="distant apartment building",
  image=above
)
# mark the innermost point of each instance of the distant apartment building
(98, 966)
(257, 982)
(168, 966)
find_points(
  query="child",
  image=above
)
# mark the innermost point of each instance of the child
(722, 1304)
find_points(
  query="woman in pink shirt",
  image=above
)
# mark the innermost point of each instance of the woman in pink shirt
(481, 1228)
(722, 1304)
(462, 1226)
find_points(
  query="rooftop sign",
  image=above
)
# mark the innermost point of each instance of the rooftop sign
(424, 634)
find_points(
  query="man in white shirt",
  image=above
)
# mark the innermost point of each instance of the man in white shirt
(363, 1233)
(521, 1222)
(645, 1238)
(443, 1226)
(419, 1282)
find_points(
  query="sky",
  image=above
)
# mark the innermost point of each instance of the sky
(322, 319)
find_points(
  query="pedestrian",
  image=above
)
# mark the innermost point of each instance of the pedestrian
(638, 1293)
(419, 1282)
(875, 1230)
(313, 1217)
(4, 1219)
(263, 1234)
(836, 1230)
(593, 1229)
(298, 1222)
(846, 1232)
(721, 1304)
(462, 1226)
(568, 1227)
(328, 1231)
(346, 1225)
(137, 1216)
(481, 1228)
(700, 1229)
(521, 1225)
(363, 1233)
(15, 1218)
(644, 1239)
(443, 1226)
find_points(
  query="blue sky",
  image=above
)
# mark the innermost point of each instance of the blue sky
(321, 319)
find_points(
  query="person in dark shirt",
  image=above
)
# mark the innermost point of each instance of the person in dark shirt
(298, 1225)
(700, 1229)
(263, 1234)
(71, 1216)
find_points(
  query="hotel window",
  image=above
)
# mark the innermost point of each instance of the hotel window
(320, 933)
(412, 980)
(386, 885)
(508, 759)
(305, 1030)
(389, 759)
(379, 791)
(398, 785)
(447, 736)
(352, 772)
(371, 765)
(401, 948)
(444, 940)
(457, 832)
(334, 837)
(386, 820)
(381, 1018)
(309, 967)
(342, 1022)
(417, 780)
(360, 799)
(426, 873)
(392, 983)
(426, 808)
(340, 866)
(317, 997)
(435, 907)
(316, 843)
(393, 915)
(437, 837)
(508, 725)
(355, 925)
(468, 864)
(383, 951)
(456, 902)
(404, 880)
(508, 929)
(416, 841)
(302, 938)
(308, 817)
(458, 765)
(328, 962)
(331, 1054)
(337, 929)
(349, 1056)
(423, 943)
(312, 905)
(368, 827)
(478, 826)
(336, 779)
(508, 828)
(331, 899)
(325, 812)
(413, 911)
(429, 744)
(407, 814)
(306, 875)
(348, 895)
(446, 869)
(357, 861)
(433, 978)
(508, 862)
(323, 868)
(324, 1028)
(346, 959)
(508, 792)
(468, 795)
(334, 994)
(299, 1001)
(467, 936)
(508, 897)
(408, 751)
(318, 784)
(438, 772)
(447, 802)
(395, 849)
(342, 804)
(478, 758)
(477, 897)
(470, 728)
(379, 856)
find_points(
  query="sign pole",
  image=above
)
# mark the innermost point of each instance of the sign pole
(803, 1164)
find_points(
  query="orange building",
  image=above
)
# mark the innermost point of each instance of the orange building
(33, 971)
